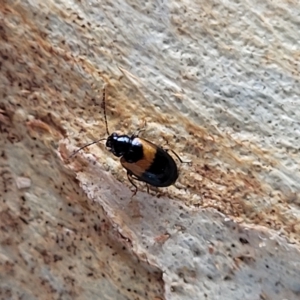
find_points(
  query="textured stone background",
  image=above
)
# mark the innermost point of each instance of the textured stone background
(218, 80)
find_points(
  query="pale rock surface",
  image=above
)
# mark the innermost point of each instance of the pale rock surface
(218, 81)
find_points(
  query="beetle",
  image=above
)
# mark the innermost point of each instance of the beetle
(142, 159)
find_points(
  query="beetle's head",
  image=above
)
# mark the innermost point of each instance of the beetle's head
(118, 144)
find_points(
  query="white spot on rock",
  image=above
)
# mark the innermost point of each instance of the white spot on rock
(23, 182)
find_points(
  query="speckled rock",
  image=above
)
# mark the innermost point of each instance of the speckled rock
(218, 81)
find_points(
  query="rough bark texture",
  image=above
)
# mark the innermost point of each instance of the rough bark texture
(216, 80)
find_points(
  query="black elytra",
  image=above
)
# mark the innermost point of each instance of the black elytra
(143, 160)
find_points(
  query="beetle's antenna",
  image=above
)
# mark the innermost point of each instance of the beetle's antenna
(106, 126)
(89, 144)
(104, 109)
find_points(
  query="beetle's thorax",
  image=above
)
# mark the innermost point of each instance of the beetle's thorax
(123, 145)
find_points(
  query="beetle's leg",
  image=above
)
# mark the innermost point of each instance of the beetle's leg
(179, 158)
(140, 129)
(183, 162)
(130, 178)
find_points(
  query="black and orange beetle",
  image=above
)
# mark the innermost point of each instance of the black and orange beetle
(143, 160)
